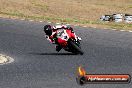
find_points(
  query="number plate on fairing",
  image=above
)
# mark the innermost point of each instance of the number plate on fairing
(62, 34)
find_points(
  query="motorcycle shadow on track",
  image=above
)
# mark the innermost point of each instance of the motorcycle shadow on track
(52, 53)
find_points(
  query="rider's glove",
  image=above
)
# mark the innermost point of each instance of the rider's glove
(70, 28)
(79, 38)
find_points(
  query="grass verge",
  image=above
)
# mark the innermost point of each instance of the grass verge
(80, 12)
(97, 24)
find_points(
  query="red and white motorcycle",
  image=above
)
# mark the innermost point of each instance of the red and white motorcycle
(68, 41)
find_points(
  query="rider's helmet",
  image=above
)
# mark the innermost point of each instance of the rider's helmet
(48, 30)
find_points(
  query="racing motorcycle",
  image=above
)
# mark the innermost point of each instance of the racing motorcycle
(68, 41)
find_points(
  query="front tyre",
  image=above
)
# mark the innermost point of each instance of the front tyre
(76, 49)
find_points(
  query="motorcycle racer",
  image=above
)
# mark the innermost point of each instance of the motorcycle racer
(50, 32)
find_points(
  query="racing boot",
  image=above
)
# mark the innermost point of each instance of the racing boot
(58, 48)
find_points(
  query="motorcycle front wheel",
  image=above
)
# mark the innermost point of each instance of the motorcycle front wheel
(75, 49)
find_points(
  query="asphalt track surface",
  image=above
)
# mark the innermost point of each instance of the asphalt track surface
(37, 64)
